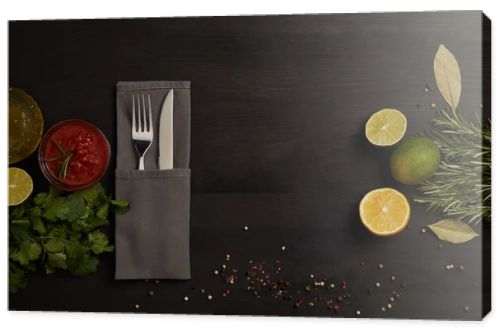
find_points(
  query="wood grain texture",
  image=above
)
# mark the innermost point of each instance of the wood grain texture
(278, 111)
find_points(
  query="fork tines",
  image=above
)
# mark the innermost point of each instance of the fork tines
(139, 119)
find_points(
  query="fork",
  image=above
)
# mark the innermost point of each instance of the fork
(142, 126)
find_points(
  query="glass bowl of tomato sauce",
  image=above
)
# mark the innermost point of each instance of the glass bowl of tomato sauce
(74, 155)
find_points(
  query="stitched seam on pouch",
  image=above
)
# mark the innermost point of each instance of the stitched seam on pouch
(152, 174)
(130, 86)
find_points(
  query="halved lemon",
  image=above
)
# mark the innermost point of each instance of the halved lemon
(384, 211)
(385, 127)
(20, 186)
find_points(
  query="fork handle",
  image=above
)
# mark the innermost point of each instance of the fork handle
(141, 162)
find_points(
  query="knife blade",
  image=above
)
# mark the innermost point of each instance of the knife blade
(166, 143)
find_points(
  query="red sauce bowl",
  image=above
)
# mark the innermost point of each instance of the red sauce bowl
(74, 155)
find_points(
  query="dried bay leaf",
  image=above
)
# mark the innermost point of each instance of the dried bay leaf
(453, 231)
(448, 78)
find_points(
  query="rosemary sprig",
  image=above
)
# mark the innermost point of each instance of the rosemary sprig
(58, 146)
(461, 188)
(63, 170)
(64, 159)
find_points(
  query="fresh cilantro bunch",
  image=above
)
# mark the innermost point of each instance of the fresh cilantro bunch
(59, 232)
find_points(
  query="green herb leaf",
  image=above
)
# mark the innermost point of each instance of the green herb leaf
(103, 211)
(40, 198)
(53, 194)
(39, 226)
(76, 209)
(94, 196)
(57, 231)
(75, 251)
(55, 209)
(84, 266)
(34, 250)
(57, 260)
(97, 222)
(453, 231)
(120, 206)
(20, 256)
(99, 242)
(29, 251)
(35, 212)
(54, 246)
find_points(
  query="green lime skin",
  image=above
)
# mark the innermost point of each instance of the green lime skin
(415, 160)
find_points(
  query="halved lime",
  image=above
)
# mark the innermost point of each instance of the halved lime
(385, 127)
(20, 185)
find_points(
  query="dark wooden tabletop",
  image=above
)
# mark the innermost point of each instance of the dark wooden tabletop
(279, 105)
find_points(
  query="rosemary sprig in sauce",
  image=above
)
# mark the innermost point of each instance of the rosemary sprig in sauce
(64, 159)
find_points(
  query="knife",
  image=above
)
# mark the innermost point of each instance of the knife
(166, 152)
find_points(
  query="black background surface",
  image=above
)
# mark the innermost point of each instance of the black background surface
(279, 105)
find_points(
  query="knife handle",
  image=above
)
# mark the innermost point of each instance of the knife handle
(166, 163)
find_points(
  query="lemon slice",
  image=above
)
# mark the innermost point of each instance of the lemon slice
(385, 127)
(20, 186)
(384, 211)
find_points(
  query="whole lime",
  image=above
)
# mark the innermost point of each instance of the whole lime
(415, 160)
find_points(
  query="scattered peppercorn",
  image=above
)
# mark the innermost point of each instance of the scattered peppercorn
(299, 303)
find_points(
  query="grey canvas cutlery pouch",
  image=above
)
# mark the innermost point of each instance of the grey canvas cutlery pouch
(152, 238)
